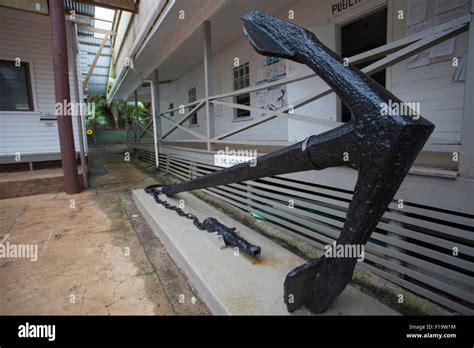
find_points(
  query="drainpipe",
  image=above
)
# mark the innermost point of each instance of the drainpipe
(154, 115)
(80, 110)
(63, 97)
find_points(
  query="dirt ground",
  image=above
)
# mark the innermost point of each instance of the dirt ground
(96, 254)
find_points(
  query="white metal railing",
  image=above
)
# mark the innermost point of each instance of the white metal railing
(390, 54)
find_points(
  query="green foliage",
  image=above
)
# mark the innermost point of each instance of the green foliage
(100, 114)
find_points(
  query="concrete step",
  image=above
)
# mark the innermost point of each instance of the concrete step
(230, 284)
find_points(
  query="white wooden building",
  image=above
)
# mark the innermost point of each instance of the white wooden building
(188, 57)
(28, 127)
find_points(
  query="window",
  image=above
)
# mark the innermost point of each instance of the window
(242, 80)
(193, 120)
(171, 107)
(15, 85)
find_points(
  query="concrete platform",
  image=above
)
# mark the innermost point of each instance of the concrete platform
(236, 285)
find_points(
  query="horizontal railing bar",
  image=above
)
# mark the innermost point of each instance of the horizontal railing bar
(310, 119)
(262, 87)
(278, 143)
(184, 141)
(184, 106)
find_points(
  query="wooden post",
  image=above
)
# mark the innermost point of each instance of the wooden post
(208, 84)
(135, 122)
(61, 91)
(466, 164)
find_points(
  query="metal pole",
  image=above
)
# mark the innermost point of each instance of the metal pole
(156, 115)
(126, 119)
(153, 115)
(80, 111)
(61, 91)
(208, 84)
(136, 117)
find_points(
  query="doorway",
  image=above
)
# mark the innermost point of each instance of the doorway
(362, 35)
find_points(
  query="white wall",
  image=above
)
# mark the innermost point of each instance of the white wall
(441, 99)
(316, 17)
(326, 107)
(223, 61)
(28, 36)
(128, 28)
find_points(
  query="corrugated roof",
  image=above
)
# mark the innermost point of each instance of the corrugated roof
(89, 45)
(80, 8)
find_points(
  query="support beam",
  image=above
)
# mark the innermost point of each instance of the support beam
(124, 5)
(126, 120)
(156, 92)
(62, 94)
(77, 99)
(208, 84)
(186, 129)
(135, 96)
(155, 110)
(94, 62)
(466, 164)
(95, 30)
(181, 121)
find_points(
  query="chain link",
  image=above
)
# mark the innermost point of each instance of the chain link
(155, 192)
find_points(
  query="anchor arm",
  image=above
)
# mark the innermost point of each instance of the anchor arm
(316, 152)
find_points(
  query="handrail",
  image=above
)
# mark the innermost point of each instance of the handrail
(392, 53)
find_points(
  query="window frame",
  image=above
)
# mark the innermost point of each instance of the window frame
(236, 82)
(31, 89)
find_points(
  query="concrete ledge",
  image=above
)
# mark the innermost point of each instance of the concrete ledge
(230, 284)
(29, 183)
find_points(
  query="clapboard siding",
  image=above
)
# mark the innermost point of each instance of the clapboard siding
(28, 36)
(441, 99)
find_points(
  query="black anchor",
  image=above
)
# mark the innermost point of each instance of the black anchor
(382, 148)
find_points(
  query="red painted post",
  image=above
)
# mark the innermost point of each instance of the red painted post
(61, 91)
